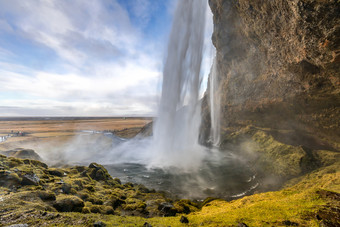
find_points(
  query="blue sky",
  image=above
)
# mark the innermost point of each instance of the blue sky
(82, 58)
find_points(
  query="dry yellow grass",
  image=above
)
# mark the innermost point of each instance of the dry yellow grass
(71, 125)
(41, 134)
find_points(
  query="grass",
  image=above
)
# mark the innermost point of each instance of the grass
(70, 125)
(308, 199)
(44, 134)
(299, 202)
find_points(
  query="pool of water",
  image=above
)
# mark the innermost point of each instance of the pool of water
(226, 178)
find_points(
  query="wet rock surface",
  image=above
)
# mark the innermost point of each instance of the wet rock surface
(278, 67)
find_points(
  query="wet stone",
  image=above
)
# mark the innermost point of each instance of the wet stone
(167, 209)
(30, 179)
(99, 224)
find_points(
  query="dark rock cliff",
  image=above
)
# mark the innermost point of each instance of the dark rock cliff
(278, 68)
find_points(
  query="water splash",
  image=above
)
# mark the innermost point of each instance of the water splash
(177, 128)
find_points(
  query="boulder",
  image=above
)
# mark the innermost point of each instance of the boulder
(30, 179)
(55, 172)
(9, 179)
(98, 172)
(68, 203)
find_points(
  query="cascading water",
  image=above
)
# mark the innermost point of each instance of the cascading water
(177, 127)
(172, 159)
(214, 106)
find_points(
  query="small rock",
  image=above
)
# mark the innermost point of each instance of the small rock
(94, 166)
(55, 172)
(30, 179)
(99, 224)
(60, 182)
(147, 225)
(13, 188)
(184, 219)
(241, 224)
(167, 209)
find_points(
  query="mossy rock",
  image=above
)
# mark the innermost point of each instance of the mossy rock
(134, 204)
(102, 209)
(86, 210)
(30, 179)
(94, 200)
(207, 201)
(98, 172)
(35, 163)
(55, 172)
(46, 195)
(167, 209)
(114, 201)
(9, 179)
(68, 203)
(14, 162)
(185, 206)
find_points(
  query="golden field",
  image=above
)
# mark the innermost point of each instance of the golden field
(59, 131)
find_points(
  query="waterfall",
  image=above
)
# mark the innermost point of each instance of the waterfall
(177, 127)
(214, 106)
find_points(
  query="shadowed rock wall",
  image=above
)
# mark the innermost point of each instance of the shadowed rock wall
(278, 66)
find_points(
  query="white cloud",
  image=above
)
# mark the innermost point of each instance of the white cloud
(101, 70)
(126, 89)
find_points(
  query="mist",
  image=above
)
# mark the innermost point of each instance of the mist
(172, 159)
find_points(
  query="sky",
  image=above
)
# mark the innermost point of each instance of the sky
(82, 58)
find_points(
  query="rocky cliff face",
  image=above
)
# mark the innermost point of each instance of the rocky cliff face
(278, 68)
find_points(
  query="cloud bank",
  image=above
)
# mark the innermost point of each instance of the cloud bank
(81, 58)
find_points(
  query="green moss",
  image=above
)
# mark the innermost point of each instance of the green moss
(94, 200)
(277, 158)
(46, 195)
(13, 162)
(86, 210)
(185, 206)
(327, 157)
(300, 201)
(134, 204)
(68, 203)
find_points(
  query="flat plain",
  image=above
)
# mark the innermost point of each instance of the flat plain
(35, 132)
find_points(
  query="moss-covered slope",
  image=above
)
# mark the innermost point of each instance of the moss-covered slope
(35, 194)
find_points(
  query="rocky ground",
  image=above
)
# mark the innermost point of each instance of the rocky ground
(33, 193)
(308, 192)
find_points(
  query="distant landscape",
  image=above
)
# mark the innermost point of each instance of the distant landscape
(33, 132)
